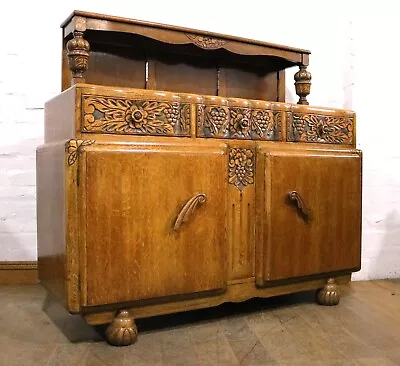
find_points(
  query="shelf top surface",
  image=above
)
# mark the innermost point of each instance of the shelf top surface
(188, 31)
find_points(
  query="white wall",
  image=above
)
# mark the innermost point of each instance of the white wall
(375, 98)
(344, 70)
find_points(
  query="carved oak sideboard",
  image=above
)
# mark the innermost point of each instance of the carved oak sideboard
(175, 177)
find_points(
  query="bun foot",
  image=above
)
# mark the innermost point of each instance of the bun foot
(122, 331)
(329, 295)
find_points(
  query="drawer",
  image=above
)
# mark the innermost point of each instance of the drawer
(242, 119)
(127, 111)
(321, 127)
(139, 112)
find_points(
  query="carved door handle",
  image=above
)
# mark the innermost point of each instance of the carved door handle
(294, 197)
(188, 209)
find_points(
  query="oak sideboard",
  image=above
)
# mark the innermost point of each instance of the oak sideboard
(174, 176)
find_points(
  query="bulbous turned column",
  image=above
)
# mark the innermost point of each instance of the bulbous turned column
(329, 295)
(303, 84)
(122, 331)
(78, 56)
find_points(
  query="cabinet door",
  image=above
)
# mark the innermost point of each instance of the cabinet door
(309, 214)
(154, 221)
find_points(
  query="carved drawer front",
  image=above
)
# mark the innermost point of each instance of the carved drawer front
(141, 113)
(320, 127)
(154, 221)
(229, 118)
(310, 212)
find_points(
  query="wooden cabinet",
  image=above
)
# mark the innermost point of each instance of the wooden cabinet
(174, 177)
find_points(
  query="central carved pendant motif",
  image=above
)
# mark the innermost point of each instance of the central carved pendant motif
(241, 168)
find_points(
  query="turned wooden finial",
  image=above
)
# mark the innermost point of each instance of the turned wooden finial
(329, 295)
(303, 84)
(122, 331)
(78, 56)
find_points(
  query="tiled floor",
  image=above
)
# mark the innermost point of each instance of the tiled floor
(289, 330)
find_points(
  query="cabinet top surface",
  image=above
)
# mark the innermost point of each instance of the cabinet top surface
(101, 22)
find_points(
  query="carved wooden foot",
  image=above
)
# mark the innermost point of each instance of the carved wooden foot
(122, 330)
(328, 295)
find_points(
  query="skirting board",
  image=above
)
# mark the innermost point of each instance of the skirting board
(18, 273)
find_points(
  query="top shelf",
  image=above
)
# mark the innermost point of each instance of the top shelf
(81, 20)
(223, 62)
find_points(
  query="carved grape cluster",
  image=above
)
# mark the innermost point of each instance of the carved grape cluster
(241, 167)
(172, 114)
(218, 117)
(298, 124)
(261, 119)
(240, 171)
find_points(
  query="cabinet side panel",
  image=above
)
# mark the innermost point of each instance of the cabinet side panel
(50, 178)
(57, 222)
(59, 117)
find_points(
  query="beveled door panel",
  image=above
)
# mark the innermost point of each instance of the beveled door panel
(309, 218)
(154, 220)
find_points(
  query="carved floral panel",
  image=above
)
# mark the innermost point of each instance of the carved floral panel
(73, 147)
(209, 43)
(320, 128)
(136, 117)
(241, 168)
(238, 123)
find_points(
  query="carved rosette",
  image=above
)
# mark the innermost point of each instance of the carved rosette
(78, 55)
(238, 123)
(241, 168)
(122, 331)
(307, 127)
(136, 117)
(208, 43)
(329, 295)
(303, 84)
(73, 147)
